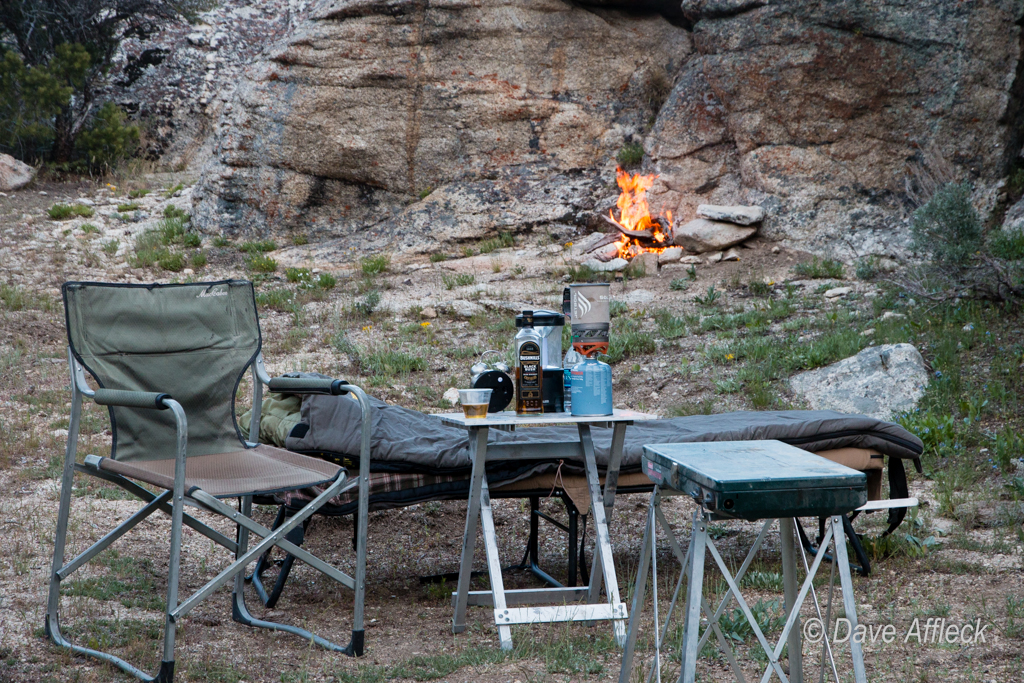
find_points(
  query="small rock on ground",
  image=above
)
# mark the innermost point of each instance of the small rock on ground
(14, 174)
(838, 292)
(606, 267)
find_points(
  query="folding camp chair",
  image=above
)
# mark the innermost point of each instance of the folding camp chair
(168, 360)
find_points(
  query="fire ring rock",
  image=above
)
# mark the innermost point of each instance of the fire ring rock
(879, 382)
(740, 215)
(701, 235)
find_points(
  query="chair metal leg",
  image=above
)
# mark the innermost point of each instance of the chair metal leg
(239, 610)
(60, 571)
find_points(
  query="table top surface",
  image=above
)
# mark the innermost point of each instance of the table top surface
(748, 465)
(507, 418)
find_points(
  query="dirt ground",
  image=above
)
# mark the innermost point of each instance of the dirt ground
(970, 572)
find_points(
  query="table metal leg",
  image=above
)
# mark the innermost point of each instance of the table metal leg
(494, 568)
(694, 595)
(611, 482)
(790, 584)
(639, 589)
(603, 547)
(611, 477)
(849, 603)
(478, 456)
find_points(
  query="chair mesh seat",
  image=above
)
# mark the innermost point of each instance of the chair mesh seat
(251, 471)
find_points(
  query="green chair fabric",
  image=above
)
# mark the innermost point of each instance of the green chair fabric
(192, 341)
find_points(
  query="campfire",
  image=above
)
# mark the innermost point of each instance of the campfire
(637, 231)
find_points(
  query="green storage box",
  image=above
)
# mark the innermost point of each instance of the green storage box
(756, 479)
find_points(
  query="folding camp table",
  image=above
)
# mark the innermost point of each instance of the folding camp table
(541, 605)
(748, 480)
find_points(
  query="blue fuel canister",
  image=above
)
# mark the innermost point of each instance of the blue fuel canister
(591, 388)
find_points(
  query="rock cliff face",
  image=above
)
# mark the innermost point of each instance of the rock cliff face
(815, 110)
(414, 122)
(506, 106)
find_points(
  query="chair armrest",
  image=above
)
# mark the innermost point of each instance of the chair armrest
(131, 399)
(307, 385)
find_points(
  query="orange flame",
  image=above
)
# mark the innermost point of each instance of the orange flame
(635, 216)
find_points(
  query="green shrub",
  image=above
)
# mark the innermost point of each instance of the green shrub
(277, 299)
(373, 265)
(368, 304)
(90, 229)
(617, 308)
(679, 285)
(458, 280)
(198, 259)
(326, 281)
(503, 240)
(948, 227)
(759, 288)
(137, 193)
(221, 241)
(173, 190)
(172, 260)
(391, 363)
(260, 263)
(171, 211)
(669, 326)
(130, 206)
(866, 268)
(1007, 245)
(299, 240)
(296, 275)
(438, 257)
(819, 268)
(630, 154)
(109, 140)
(31, 97)
(628, 341)
(110, 247)
(710, 298)
(62, 212)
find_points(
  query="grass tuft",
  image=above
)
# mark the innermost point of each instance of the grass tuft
(62, 212)
(819, 268)
(375, 264)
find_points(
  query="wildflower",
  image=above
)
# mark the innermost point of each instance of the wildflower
(366, 328)
(568, 244)
(424, 324)
(729, 356)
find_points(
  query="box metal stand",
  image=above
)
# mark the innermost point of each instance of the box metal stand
(541, 605)
(695, 604)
